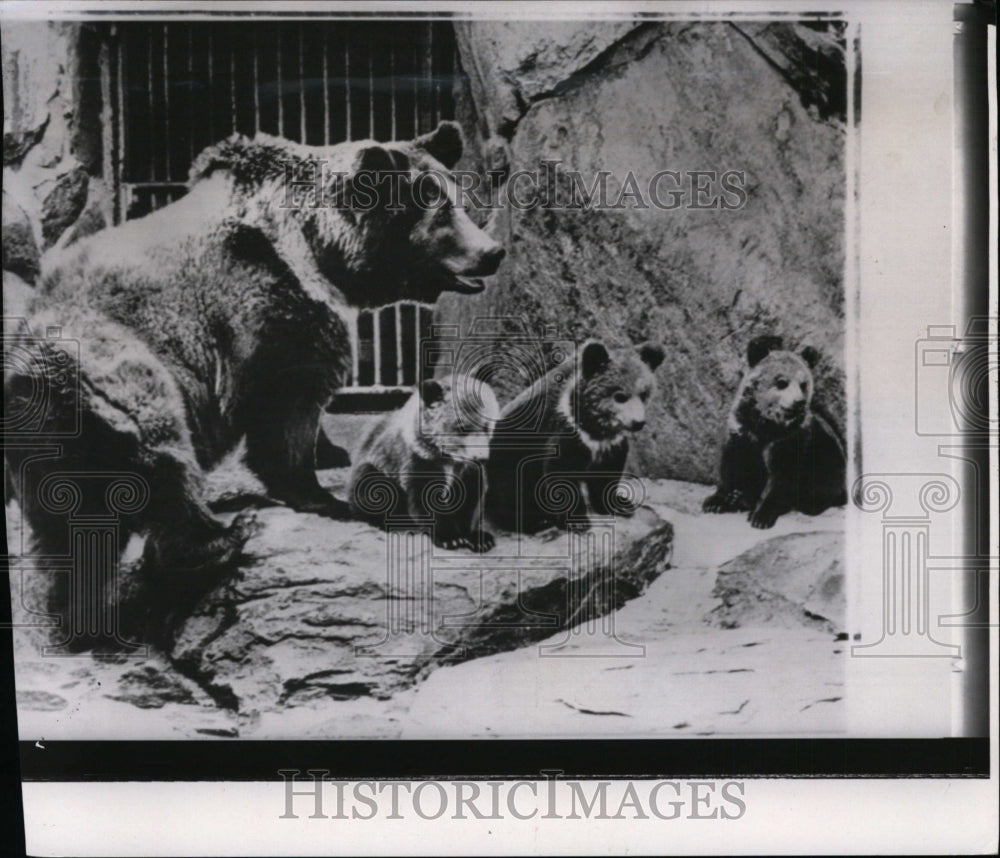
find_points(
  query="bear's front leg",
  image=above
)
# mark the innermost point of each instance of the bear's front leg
(741, 477)
(608, 496)
(776, 499)
(281, 450)
(469, 517)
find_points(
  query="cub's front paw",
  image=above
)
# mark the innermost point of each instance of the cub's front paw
(484, 542)
(326, 505)
(732, 501)
(244, 526)
(763, 518)
(714, 503)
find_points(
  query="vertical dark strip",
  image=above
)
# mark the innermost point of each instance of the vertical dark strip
(232, 81)
(220, 86)
(303, 83)
(356, 48)
(123, 121)
(256, 80)
(371, 85)
(279, 85)
(210, 85)
(194, 91)
(425, 81)
(167, 139)
(267, 73)
(314, 76)
(382, 107)
(366, 364)
(326, 83)
(178, 79)
(392, 87)
(244, 83)
(150, 91)
(348, 130)
(291, 83)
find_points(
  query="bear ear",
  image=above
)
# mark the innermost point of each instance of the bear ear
(594, 358)
(651, 354)
(223, 155)
(373, 159)
(431, 391)
(761, 347)
(810, 355)
(444, 144)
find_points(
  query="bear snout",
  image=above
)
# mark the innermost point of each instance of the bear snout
(488, 262)
(636, 425)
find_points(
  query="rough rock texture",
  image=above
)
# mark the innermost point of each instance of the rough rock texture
(16, 296)
(20, 252)
(63, 204)
(53, 156)
(794, 580)
(682, 97)
(307, 616)
(670, 669)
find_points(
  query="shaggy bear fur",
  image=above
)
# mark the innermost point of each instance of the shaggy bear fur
(225, 314)
(424, 463)
(566, 432)
(781, 453)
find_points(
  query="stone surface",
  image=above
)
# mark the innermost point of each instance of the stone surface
(20, 252)
(16, 296)
(307, 617)
(692, 677)
(703, 281)
(63, 204)
(793, 580)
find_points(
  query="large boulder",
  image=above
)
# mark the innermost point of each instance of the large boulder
(20, 251)
(786, 582)
(338, 610)
(659, 96)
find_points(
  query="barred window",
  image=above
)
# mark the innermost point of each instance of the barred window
(180, 87)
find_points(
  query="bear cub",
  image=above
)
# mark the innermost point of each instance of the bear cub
(568, 432)
(424, 463)
(782, 453)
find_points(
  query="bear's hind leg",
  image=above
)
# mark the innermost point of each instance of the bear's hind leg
(281, 450)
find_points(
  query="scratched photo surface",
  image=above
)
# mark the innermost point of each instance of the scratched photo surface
(428, 378)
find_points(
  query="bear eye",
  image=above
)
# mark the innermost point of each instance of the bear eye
(621, 397)
(804, 385)
(644, 396)
(781, 383)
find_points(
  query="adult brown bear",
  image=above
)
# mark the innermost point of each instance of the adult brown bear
(156, 345)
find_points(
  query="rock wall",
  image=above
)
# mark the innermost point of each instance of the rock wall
(766, 99)
(53, 152)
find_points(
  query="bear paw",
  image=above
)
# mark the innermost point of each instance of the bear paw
(484, 543)
(719, 501)
(762, 518)
(244, 527)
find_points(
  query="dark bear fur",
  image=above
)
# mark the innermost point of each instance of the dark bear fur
(568, 432)
(221, 315)
(782, 452)
(425, 463)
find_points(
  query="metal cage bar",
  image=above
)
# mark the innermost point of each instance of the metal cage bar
(374, 77)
